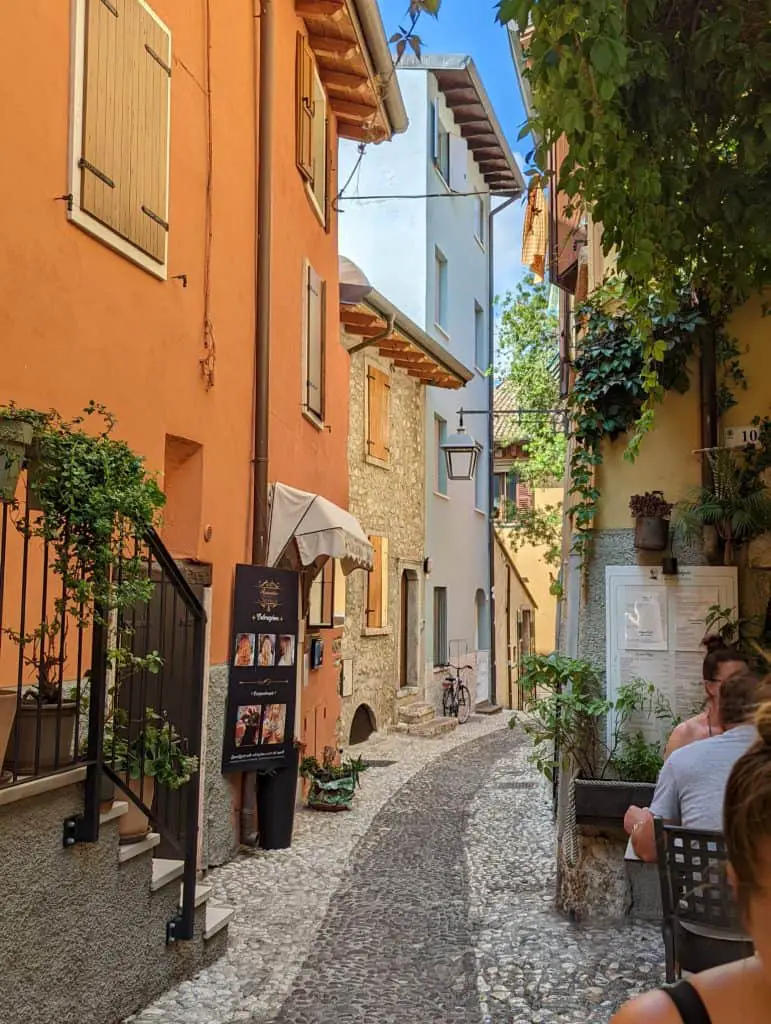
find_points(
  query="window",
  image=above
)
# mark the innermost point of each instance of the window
(482, 619)
(525, 497)
(481, 353)
(311, 126)
(440, 626)
(376, 612)
(479, 219)
(442, 294)
(120, 129)
(440, 431)
(321, 601)
(505, 494)
(378, 414)
(440, 143)
(481, 482)
(313, 348)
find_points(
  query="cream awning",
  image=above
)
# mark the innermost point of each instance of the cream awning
(319, 528)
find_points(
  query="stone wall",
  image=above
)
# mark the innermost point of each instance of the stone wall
(221, 798)
(387, 501)
(84, 938)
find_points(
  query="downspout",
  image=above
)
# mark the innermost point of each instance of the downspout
(263, 52)
(491, 431)
(264, 46)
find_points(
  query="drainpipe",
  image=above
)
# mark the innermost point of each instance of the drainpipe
(263, 52)
(263, 44)
(491, 430)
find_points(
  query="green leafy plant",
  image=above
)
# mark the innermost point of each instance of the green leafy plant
(566, 714)
(737, 504)
(332, 767)
(95, 499)
(156, 750)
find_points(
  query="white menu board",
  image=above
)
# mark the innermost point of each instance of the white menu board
(655, 625)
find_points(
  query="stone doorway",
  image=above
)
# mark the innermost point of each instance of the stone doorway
(409, 629)
(363, 725)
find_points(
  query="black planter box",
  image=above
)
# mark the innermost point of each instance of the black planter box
(604, 803)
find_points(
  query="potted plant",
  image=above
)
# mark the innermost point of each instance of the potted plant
(566, 715)
(737, 505)
(651, 515)
(152, 755)
(16, 431)
(333, 782)
(94, 496)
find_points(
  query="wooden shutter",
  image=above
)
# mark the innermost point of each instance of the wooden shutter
(125, 145)
(304, 108)
(378, 413)
(524, 496)
(314, 355)
(374, 610)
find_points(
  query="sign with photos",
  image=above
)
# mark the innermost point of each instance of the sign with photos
(262, 691)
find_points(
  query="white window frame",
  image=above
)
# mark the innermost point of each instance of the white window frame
(320, 208)
(480, 219)
(75, 214)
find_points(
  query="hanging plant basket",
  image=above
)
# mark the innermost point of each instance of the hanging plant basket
(15, 438)
(651, 533)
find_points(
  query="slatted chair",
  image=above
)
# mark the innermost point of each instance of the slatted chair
(701, 925)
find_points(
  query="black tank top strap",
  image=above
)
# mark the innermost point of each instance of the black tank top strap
(688, 1002)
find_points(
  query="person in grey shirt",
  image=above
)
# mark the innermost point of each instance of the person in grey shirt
(692, 782)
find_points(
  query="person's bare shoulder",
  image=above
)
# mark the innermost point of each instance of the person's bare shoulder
(681, 736)
(652, 1008)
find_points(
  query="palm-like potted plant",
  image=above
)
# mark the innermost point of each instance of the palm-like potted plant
(651, 513)
(737, 505)
(149, 753)
(333, 782)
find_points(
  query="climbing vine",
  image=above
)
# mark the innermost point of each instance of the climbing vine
(665, 109)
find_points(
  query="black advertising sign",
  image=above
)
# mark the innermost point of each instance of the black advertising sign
(259, 728)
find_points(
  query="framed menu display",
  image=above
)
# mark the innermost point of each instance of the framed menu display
(262, 690)
(655, 626)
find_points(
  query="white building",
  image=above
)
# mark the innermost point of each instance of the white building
(415, 219)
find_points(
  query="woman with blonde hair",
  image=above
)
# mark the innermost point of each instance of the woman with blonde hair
(740, 991)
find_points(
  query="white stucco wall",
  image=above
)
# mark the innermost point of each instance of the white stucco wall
(393, 242)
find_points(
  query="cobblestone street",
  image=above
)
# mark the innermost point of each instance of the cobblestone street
(432, 901)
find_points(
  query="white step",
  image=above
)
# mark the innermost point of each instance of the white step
(202, 893)
(416, 712)
(217, 918)
(165, 871)
(129, 851)
(118, 809)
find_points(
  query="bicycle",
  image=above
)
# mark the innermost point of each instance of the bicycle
(456, 697)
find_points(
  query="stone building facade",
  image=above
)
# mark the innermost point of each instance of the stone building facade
(382, 651)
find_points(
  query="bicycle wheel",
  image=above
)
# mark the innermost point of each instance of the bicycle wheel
(447, 709)
(464, 704)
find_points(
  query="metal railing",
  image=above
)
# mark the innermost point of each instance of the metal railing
(108, 692)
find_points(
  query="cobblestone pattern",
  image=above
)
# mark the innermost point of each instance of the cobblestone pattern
(282, 897)
(535, 966)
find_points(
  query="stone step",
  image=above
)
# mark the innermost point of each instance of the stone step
(416, 712)
(217, 918)
(127, 851)
(117, 810)
(434, 727)
(484, 707)
(165, 871)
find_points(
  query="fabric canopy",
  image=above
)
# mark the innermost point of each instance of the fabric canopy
(319, 528)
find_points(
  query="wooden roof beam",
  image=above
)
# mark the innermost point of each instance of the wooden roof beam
(347, 130)
(342, 79)
(352, 316)
(326, 46)
(469, 115)
(319, 8)
(352, 111)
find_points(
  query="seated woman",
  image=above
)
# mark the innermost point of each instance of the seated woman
(741, 991)
(720, 662)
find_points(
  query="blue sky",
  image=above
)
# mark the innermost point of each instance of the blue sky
(478, 34)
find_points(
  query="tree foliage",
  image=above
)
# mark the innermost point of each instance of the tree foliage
(666, 108)
(528, 352)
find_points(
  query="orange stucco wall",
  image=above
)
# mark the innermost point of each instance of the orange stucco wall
(78, 321)
(301, 454)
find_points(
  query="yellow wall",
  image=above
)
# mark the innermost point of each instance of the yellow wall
(531, 564)
(753, 332)
(666, 461)
(511, 597)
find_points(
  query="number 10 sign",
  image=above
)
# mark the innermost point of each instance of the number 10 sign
(738, 437)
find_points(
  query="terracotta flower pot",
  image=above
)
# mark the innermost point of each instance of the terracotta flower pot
(134, 826)
(7, 716)
(29, 715)
(15, 438)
